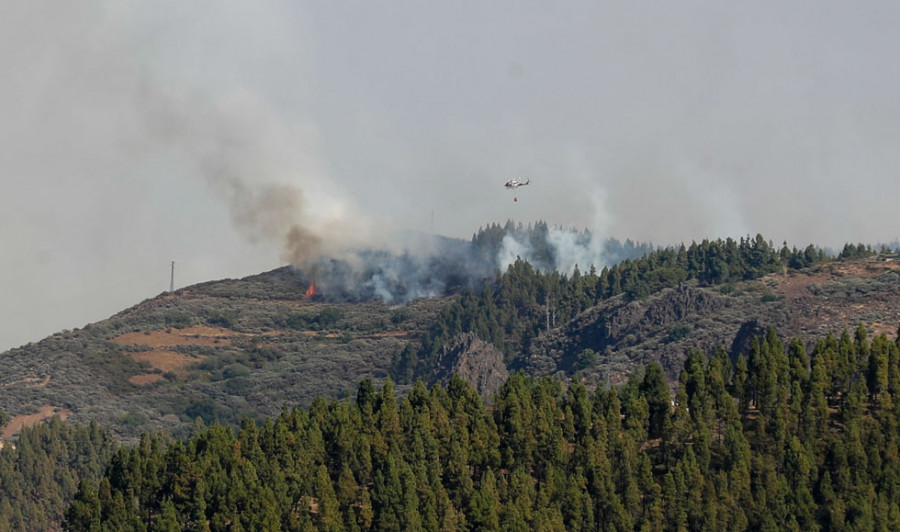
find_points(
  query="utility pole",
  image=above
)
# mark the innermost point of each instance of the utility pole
(172, 279)
(549, 305)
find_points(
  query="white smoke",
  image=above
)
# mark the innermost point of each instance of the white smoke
(512, 250)
(392, 281)
(561, 250)
(573, 249)
(380, 285)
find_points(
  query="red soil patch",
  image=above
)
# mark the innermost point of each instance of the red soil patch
(165, 360)
(170, 361)
(145, 378)
(27, 420)
(197, 335)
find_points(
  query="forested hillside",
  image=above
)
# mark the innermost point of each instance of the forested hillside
(779, 440)
(40, 473)
(234, 348)
(527, 301)
(596, 358)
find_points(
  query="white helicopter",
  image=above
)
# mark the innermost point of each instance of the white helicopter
(516, 183)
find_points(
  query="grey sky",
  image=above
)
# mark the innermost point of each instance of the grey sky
(133, 134)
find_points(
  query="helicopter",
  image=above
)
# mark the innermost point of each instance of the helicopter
(516, 183)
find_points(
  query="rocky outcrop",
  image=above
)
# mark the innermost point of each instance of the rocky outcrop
(627, 334)
(680, 303)
(476, 361)
(749, 330)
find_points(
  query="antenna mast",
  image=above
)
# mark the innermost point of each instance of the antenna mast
(172, 279)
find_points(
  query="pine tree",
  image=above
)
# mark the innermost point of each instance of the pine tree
(84, 512)
(656, 391)
(741, 385)
(167, 520)
(328, 514)
(484, 507)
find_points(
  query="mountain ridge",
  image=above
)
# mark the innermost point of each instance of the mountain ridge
(228, 349)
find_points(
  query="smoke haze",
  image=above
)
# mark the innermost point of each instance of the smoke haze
(236, 137)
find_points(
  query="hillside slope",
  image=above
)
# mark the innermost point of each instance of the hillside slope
(219, 350)
(228, 349)
(616, 338)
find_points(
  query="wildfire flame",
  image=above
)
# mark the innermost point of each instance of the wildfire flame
(311, 291)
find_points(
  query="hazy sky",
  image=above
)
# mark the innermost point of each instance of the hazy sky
(210, 133)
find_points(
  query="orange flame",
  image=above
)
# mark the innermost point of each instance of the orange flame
(311, 291)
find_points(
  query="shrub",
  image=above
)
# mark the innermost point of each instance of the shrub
(586, 359)
(235, 370)
(768, 298)
(222, 318)
(205, 409)
(729, 289)
(238, 386)
(400, 315)
(177, 319)
(298, 321)
(327, 317)
(677, 333)
(133, 419)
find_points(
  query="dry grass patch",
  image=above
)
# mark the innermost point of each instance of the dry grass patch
(887, 329)
(27, 420)
(145, 378)
(870, 267)
(794, 286)
(196, 335)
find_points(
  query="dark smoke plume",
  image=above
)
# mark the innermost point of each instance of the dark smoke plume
(259, 165)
